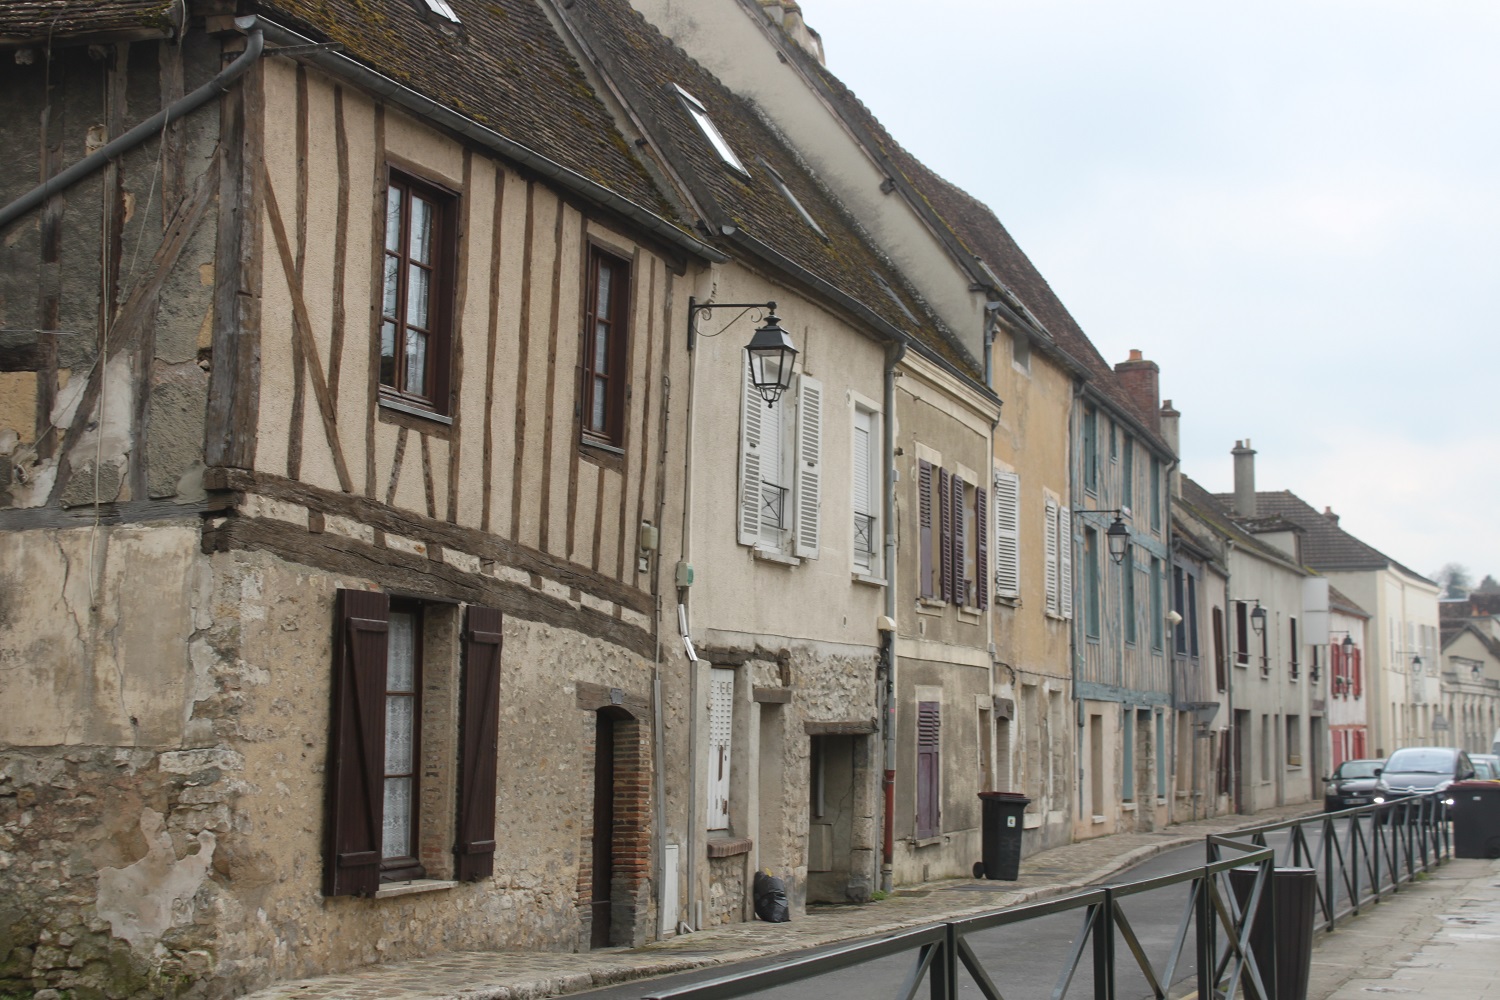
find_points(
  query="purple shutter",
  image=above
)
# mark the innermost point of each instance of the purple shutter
(983, 580)
(356, 745)
(928, 773)
(924, 519)
(479, 742)
(945, 523)
(960, 539)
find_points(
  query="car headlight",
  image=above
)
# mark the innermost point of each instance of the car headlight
(1380, 800)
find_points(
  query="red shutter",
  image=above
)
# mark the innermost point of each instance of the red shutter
(479, 741)
(928, 773)
(924, 520)
(983, 580)
(1354, 671)
(356, 745)
(946, 532)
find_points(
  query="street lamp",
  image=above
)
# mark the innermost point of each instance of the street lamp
(1118, 537)
(771, 354)
(1258, 619)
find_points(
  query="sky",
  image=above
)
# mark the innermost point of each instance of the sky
(1293, 208)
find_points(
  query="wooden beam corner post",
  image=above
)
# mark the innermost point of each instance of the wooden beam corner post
(230, 427)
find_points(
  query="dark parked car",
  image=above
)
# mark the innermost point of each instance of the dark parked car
(1486, 762)
(1351, 784)
(1419, 770)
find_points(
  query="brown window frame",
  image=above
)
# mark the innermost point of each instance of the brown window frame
(435, 395)
(617, 373)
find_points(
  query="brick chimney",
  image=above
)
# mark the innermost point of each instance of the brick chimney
(1141, 379)
(1244, 478)
(788, 14)
(1328, 513)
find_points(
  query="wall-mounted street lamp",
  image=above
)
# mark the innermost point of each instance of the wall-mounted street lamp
(1258, 619)
(772, 356)
(1348, 643)
(1117, 535)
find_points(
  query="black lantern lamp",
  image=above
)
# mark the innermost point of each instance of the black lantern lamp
(1258, 619)
(1118, 537)
(1348, 645)
(772, 357)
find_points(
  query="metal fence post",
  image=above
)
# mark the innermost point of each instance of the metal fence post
(1329, 882)
(1203, 927)
(1104, 947)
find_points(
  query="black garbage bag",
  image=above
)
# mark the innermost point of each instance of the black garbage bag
(770, 898)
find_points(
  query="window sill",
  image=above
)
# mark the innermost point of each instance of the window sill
(1009, 601)
(728, 847)
(1128, 807)
(1099, 820)
(608, 449)
(928, 606)
(971, 615)
(873, 581)
(398, 406)
(775, 556)
(928, 841)
(413, 887)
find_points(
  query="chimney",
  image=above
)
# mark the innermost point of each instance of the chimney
(1169, 421)
(788, 14)
(1244, 478)
(1141, 379)
(1328, 513)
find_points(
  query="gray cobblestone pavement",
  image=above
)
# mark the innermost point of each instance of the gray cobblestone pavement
(522, 975)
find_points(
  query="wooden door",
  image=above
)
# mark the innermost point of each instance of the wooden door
(604, 827)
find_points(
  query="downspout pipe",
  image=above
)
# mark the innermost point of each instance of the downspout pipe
(445, 117)
(180, 108)
(893, 357)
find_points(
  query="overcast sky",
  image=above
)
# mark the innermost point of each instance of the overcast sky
(1292, 207)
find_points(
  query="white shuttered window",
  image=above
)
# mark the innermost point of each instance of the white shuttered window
(1065, 561)
(1008, 534)
(1053, 570)
(809, 478)
(720, 739)
(865, 492)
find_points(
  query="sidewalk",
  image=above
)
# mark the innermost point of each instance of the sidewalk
(524, 975)
(1438, 938)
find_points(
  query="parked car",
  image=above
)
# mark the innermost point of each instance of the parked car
(1419, 770)
(1351, 784)
(1486, 766)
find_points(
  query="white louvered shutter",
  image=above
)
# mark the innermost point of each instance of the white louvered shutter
(720, 736)
(1065, 560)
(752, 444)
(862, 529)
(809, 484)
(1049, 534)
(1007, 534)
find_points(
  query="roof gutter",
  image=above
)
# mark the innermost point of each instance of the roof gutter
(151, 127)
(424, 107)
(882, 327)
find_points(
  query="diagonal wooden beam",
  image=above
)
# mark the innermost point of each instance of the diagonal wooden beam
(140, 305)
(302, 329)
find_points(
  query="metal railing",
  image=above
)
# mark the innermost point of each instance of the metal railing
(772, 505)
(1359, 854)
(1364, 853)
(1214, 925)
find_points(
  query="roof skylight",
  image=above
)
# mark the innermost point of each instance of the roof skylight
(786, 192)
(441, 8)
(709, 129)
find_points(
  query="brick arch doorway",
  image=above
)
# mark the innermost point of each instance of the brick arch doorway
(619, 837)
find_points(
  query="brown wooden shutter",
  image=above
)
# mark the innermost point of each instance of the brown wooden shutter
(356, 745)
(924, 520)
(479, 739)
(945, 533)
(929, 728)
(983, 581)
(1219, 666)
(1355, 678)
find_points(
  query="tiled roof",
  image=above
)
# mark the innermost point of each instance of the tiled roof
(504, 67)
(645, 66)
(1211, 511)
(977, 230)
(1450, 634)
(38, 20)
(1325, 546)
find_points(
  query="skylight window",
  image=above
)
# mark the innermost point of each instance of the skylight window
(710, 130)
(786, 192)
(441, 8)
